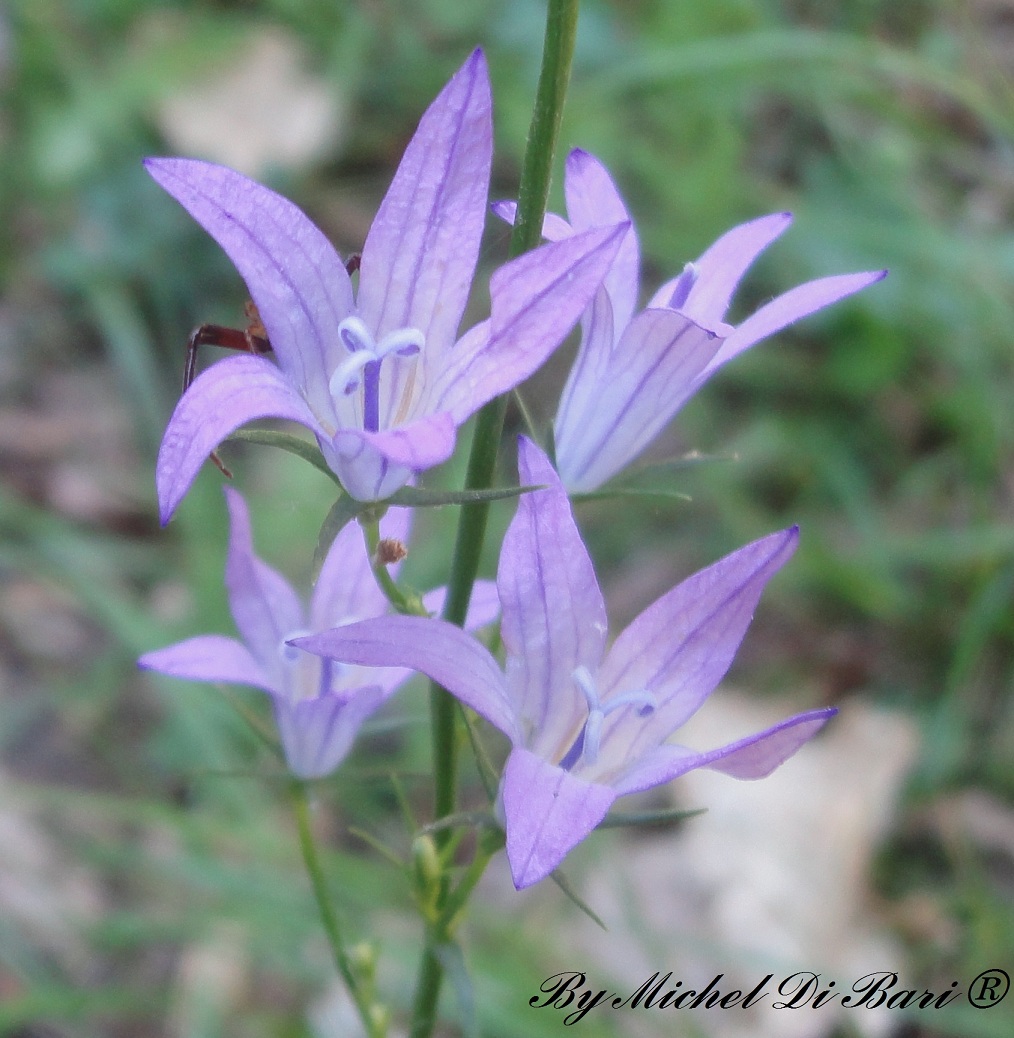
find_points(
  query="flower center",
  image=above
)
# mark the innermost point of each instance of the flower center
(364, 360)
(586, 745)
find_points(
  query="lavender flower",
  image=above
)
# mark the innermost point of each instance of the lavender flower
(586, 725)
(377, 376)
(633, 373)
(319, 705)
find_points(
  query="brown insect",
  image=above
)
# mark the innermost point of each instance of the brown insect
(251, 339)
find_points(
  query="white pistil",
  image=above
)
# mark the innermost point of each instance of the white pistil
(597, 712)
(363, 363)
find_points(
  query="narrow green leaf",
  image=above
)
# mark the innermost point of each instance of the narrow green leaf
(343, 511)
(642, 492)
(665, 817)
(286, 442)
(563, 883)
(650, 480)
(415, 497)
(475, 819)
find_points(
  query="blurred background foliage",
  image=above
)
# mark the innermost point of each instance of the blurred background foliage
(149, 875)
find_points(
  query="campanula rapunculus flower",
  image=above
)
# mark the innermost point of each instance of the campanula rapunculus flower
(633, 373)
(586, 725)
(378, 374)
(319, 705)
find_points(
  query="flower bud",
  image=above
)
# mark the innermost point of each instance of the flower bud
(427, 872)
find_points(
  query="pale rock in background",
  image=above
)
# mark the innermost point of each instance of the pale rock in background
(774, 878)
(263, 110)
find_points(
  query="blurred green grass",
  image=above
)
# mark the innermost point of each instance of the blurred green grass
(882, 427)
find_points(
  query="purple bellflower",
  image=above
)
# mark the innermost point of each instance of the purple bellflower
(633, 373)
(378, 375)
(586, 725)
(319, 705)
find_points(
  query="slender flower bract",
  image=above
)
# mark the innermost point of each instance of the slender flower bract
(377, 374)
(586, 725)
(634, 372)
(318, 705)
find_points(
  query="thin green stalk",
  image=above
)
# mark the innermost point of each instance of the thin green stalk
(371, 1016)
(533, 196)
(403, 601)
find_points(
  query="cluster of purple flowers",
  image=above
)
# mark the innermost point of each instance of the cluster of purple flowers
(381, 377)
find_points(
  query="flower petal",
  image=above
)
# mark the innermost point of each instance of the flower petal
(721, 267)
(790, 307)
(295, 277)
(419, 257)
(535, 301)
(318, 733)
(548, 812)
(222, 398)
(373, 465)
(440, 650)
(209, 657)
(754, 757)
(554, 618)
(263, 603)
(680, 647)
(594, 201)
(604, 424)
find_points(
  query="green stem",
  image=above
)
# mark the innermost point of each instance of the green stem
(427, 991)
(533, 195)
(405, 602)
(372, 1020)
(428, 982)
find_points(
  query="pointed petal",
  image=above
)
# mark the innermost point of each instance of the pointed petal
(373, 465)
(296, 279)
(440, 650)
(318, 733)
(535, 301)
(263, 603)
(209, 657)
(594, 201)
(721, 267)
(554, 618)
(419, 257)
(591, 363)
(651, 373)
(346, 589)
(790, 307)
(680, 647)
(222, 398)
(548, 812)
(754, 757)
